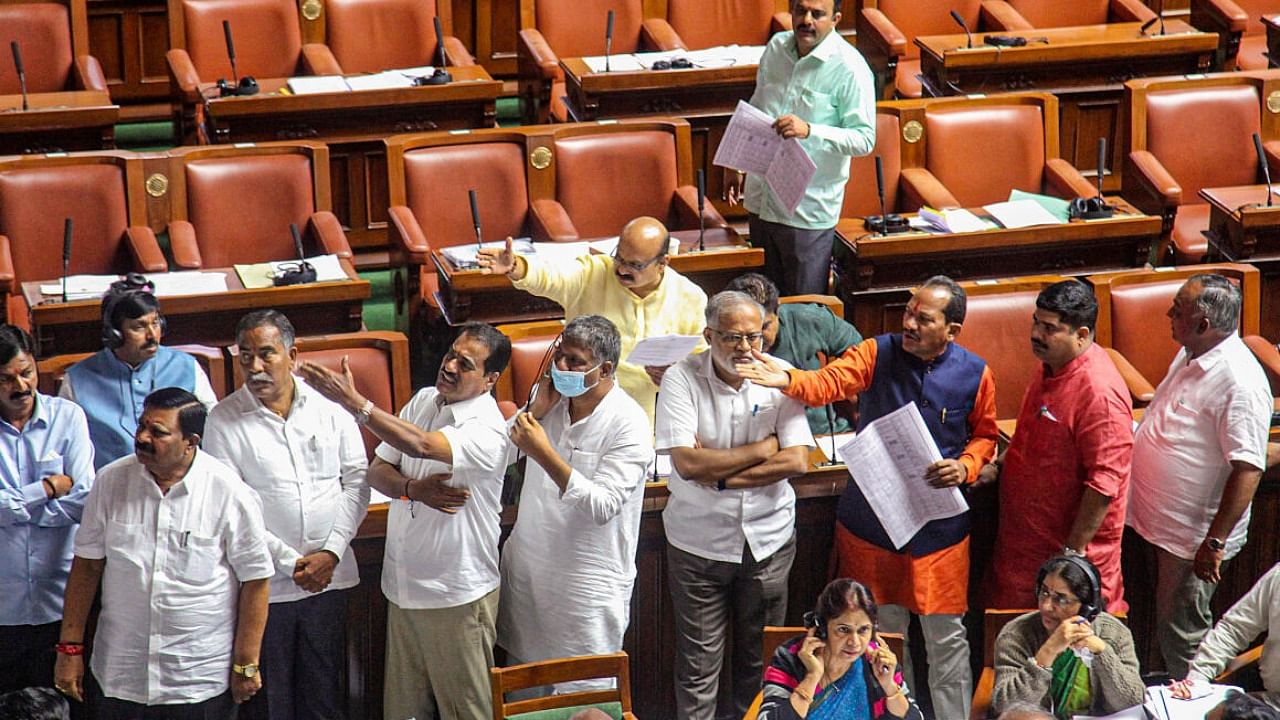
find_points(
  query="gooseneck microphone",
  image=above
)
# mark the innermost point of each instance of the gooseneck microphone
(22, 73)
(238, 85)
(439, 76)
(832, 459)
(475, 217)
(964, 25)
(66, 251)
(305, 272)
(231, 49)
(884, 223)
(1262, 161)
(608, 40)
(702, 204)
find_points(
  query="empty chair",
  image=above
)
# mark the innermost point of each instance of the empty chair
(373, 35)
(1028, 14)
(696, 24)
(1242, 38)
(887, 30)
(860, 195)
(54, 41)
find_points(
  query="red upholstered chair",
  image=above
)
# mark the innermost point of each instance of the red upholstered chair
(697, 24)
(235, 204)
(529, 358)
(211, 360)
(1268, 357)
(860, 196)
(552, 29)
(372, 35)
(887, 30)
(977, 150)
(102, 194)
(1242, 38)
(1017, 15)
(54, 39)
(1172, 156)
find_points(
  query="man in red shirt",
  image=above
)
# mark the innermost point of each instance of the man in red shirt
(1064, 480)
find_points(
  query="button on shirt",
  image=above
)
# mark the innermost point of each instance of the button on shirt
(171, 584)
(832, 89)
(36, 533)
(696, 405)
(435, 560)
(1207, 413)
(309, 471)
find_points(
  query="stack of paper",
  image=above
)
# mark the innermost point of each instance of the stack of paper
(952, 221)
(750, 144)
(464, 257)
(262, 275)
(318, 84)
(191, 282)
(1162, 705)
(1021, 213)
(80, 287)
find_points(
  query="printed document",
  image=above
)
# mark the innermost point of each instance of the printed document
(750, 144)
(1162, 705)
(663, 350)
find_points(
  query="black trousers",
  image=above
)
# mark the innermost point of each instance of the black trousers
(26, 655)
(302, 654)
(221, 707)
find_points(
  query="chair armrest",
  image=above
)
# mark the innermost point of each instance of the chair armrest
(780, 22)
(1063, 180)
(406, 237)
(1152, 178)
(88, 73)
(458, 54)
(183, 72)
(1129, 11)
(1140, 390)
(922, 188)
(182, 243)
(537, 55)
(6, 266)
(550, 222)
(145, 250)
(1267, 355)
(1221, 16)
(1271, 149)
(1000, 15)
(326, 229)
(1250, 657)
(318, 59)
(884, 34)
(981, 708)
(657, 34)
(685, 204)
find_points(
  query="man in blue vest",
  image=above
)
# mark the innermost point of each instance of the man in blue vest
(112, 383)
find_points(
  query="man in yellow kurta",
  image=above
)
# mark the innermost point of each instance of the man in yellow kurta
(633, 288)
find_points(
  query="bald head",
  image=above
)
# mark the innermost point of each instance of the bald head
(641, 256)
(643, 237)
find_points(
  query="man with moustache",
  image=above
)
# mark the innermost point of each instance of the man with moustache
(822, 93)
(633, 288)
(730, 521)
(111, 384)
(46, 468)
(176, 541)
(304, 457)
(955, 393)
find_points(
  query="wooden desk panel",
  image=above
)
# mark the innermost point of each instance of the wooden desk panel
(1243, 229)
(57, 122)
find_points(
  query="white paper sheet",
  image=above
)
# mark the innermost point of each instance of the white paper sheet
(561, 253)
(190, 282)
(389, 79)
(954, 221)
(887, 460)
(80, 286)
(789, 174)
(327, 267)
(1021, 213)
(1164, 706)
(825, 443)
(663, 350)
(750, 144)
(1133, 713)
(622, 62)
(318, 84)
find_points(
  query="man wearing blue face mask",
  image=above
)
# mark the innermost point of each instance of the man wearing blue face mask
(568, 568)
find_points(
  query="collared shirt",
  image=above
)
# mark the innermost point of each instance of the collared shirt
(569, 565)
(432, 559)
(697, 406)
(589, 287)
(309, 471)
(1255, 613)
(804, 331)
(1208, 412)
(36, 533)
(832, 89)
(171, 582)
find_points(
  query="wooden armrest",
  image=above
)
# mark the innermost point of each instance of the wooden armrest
(1154, 179)
(550, 222)
(456, 53)
(780, 22)
(883, 33)
(88, 74)
(1000, 15)
(145, 250)
(1249, 657)
(182, 243)
(1063, 180)
(1271, 149)
(538, 55)
(6, 266)
(1266, 353)
(923, 188)
(183, 73)
(1140, 390)
(318, 59)
(657, 34)
(406, 236)
(685, 203)
(1221, 16)
(1129, 11)
(326, 229)
(981, 708)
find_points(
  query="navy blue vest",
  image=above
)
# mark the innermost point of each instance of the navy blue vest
(950, 382)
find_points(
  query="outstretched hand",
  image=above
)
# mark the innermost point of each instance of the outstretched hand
(495, 261)
(337, 387)
(764, 371)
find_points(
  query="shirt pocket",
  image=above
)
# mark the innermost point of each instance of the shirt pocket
(584, 462)
(816, 107)
(51, 465)
(322, 456)
(124, 543)
(194, 557)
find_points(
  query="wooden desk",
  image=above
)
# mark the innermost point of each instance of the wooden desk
(314, 309)
(355, 124)
(57, 122)
(1243, 229)
(470, 295)
(1085, 66)
(876, 274)
(706, 97)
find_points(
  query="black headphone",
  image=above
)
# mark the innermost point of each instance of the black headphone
(1092, 208)
(818, 623)
(246, 86)
(1092, 605)
(133, 283)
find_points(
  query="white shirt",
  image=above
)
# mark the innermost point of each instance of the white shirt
(309, 471)
(1255, 613)
(171, 585)
(434, 560)
(703, 521)
(1207, 413)
(569, 565)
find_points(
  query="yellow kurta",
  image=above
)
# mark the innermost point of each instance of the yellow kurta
(589, 287)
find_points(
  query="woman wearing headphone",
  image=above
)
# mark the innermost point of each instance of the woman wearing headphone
(839, 669)
(1070, 656)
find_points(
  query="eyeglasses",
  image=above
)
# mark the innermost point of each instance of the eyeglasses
(753, 339)
(633, 266)
(1059, 600)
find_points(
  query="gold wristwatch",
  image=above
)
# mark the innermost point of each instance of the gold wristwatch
(248, 670)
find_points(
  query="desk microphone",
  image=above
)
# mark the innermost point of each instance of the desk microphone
(238, 85)
(702, 204)
(1262, 160)
(305, 272)
(608, 40)
(964, 25)
(439, 76)
(475, 217)
(22, 74)
(1094, 208)
(66, 250)
(1158, 18)
(832, 459)
(655, 452)
(884, 223)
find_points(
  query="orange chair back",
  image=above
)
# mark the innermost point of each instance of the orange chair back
(1056, 13)
(596, 178)
(860, 195)
(1176, 123)
(708, 23)
(267, 36)
(43, 32)
(373, 35)
(574, 28)
(928, 17)
(964, 142)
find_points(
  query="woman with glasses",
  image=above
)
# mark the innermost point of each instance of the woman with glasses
(1069, 656)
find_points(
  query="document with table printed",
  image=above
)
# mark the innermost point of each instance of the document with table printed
(750, 144)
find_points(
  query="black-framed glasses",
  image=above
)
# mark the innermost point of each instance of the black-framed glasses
(1060, 601)
(634, 266)
(752, 339)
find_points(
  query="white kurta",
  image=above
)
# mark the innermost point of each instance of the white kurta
(569, 565)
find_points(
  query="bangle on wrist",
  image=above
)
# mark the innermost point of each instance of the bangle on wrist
(69, 648)
(1072, 552)
(53, 490)
(803, 695)
(405, 494)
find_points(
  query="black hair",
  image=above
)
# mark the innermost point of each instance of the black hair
(958, 306)
(130, 304)
(1239, 706)
(191, 412)
(842, 595)
(1072, 301)
(760, 288)
(14, 340)
(267, 317)
(34, 703)
(499, 345)
(1073, 573)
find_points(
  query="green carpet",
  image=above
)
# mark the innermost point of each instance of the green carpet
(380, 309)
(145, 136)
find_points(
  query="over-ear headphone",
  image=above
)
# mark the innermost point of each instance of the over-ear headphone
(119, 290)
(1093, 208)
(1092, 605)
(819, 624)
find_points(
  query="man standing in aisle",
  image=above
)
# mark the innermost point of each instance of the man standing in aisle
(822, 92)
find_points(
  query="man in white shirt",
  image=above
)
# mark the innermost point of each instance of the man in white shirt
(304, 457)
(730, 522)
(569, 565)
(1198, 456)
(444, 459)
(177, 541)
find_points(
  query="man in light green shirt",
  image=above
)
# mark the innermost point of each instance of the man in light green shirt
(822, 92)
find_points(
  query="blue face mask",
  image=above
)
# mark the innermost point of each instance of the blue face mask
(571, 383)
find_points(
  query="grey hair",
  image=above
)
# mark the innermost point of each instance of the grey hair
(1024, 711)
(265, 318)
(1219, 300)
(596, 334)
(722, 301)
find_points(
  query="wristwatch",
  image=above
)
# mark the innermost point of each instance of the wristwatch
(1215, 544)
(249, 670)
(364, 413)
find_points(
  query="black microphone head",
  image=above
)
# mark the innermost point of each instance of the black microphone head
(702, 189)
(17, 56)
(1257, 147)
(475, 208)
(1147, 25)
(880, 177)
(608, 28)
(959, 20)
(297, 241)
(66, 241)
(440, 40)
(226, 34)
